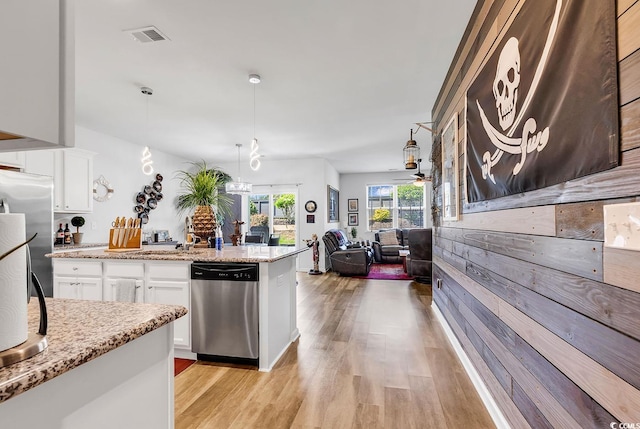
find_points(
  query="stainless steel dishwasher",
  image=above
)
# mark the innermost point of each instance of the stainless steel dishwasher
(224, 311)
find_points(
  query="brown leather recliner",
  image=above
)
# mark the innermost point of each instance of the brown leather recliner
(419, 259)
(389, 253)
(346, 258)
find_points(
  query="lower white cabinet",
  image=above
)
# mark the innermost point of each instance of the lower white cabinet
(77, 279)
(157, 282)
(168, 283)
(116, 270)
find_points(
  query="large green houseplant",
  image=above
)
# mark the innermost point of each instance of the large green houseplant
(202, 194)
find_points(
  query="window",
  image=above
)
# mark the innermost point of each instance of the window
(396, 206)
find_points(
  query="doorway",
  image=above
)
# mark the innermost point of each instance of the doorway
(274, 215)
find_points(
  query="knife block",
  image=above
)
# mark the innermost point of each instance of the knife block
(125, 239)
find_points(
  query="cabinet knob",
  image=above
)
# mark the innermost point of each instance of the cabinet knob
(149, 287)
(75, 268)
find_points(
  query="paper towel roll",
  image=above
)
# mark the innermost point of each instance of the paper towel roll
(13, 282)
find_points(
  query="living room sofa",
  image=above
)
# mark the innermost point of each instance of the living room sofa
(346, 258)
(386, 250)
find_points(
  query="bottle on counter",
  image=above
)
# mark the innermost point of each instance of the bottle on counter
(59, 236)
(219, 241)
(67, 234)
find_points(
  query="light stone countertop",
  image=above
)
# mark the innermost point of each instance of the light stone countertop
(60, 247)
(78, 332)
(227, 254)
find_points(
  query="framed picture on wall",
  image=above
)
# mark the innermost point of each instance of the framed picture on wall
(450, 170)
(352, 204)
(333, 197)
(352, 219)
(311, 218)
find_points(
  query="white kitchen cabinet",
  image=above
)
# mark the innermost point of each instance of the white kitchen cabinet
(12, 159)
(37, 74)
(77, 279)
(168, 283)
(114, 270)
(72, 172)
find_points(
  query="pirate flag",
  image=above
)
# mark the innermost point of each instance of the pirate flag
(544, 108)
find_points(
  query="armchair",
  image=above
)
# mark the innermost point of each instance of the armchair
(346, 258)
(419, 259)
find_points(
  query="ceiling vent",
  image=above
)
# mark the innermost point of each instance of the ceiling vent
(147, 34)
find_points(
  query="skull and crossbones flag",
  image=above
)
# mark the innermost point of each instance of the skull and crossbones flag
(544, 108)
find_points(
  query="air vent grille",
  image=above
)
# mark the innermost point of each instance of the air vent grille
(147, 34)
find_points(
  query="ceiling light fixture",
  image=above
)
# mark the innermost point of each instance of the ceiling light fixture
(411, 151)
(147, 163)
(238, 187)
(254, 156)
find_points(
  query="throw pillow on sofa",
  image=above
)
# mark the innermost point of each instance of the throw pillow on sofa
(388, 238)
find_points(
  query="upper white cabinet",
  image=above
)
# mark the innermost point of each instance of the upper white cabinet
(72, 172)
(12, 159)
(37, 74)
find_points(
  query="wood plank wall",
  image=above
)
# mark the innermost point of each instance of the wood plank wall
(547, 314)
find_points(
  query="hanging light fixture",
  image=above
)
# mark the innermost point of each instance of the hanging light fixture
(411, 153)
(147, 163)
(254, 156)
(238, 187)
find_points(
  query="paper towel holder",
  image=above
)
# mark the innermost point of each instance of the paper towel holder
(36, 342)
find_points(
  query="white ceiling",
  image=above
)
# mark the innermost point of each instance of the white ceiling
(343, 80)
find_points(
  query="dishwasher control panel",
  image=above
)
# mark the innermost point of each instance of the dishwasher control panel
(222, 271)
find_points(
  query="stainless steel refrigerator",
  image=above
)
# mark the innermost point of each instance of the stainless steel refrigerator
(32, 195)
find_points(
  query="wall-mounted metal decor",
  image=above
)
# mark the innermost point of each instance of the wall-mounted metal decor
(544, 108)
(102, 189)
(148, 199)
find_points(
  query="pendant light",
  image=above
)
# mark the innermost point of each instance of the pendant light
(411, 153)
(254, 156)
(238, 187)
(147, 163)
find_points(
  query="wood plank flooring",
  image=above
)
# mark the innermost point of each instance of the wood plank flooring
(371, 355)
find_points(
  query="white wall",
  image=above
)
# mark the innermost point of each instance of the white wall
(119, 162)
(355, 186)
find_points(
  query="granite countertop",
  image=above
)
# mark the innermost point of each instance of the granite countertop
(57, 247)
(78, 332)
(227, 254)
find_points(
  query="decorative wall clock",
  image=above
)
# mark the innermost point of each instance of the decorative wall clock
(310, 206)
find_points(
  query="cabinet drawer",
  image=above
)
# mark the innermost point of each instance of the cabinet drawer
(123, 269)
(166, 271)
(77, 268)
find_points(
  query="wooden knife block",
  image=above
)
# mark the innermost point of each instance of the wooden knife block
(125, 239)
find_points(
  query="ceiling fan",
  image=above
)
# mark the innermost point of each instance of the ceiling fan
(419, 178)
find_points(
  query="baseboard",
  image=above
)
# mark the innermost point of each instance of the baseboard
(488, 401)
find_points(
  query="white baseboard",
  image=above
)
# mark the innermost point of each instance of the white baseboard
(495, 413)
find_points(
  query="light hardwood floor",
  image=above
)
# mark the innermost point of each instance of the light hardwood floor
(371, 355)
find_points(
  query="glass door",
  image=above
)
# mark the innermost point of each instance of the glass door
(273, 215)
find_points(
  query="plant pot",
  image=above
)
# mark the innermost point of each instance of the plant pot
(77, 237)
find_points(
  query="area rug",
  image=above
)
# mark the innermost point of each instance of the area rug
(386, 272)
(180, 365)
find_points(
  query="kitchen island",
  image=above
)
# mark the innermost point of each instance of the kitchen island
(163, 276)
(108, 364)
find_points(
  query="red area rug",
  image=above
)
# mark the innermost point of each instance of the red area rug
(180, 365)
(386, 272)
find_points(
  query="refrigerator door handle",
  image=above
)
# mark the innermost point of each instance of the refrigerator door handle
(4, 207)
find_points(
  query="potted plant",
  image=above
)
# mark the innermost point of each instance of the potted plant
(77, 221)
(354, 232)
(201, 193)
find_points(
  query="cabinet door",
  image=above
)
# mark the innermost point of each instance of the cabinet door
(90, 288)
(30, 42)
(65, 287)
(177, 293)
(12, 159)
(39, 162)
(109, 290)
(78, 176)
